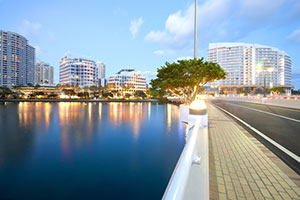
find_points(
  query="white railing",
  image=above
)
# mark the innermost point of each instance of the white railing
(189, 156)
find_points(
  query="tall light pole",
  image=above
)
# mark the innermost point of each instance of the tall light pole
(265, 82)
(195, 40)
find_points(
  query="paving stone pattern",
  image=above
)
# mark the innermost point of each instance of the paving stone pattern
(241, 167)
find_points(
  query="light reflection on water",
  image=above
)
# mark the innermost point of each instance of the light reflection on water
(88, 150)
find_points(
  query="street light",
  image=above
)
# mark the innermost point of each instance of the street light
(195, 44)
(261, 67)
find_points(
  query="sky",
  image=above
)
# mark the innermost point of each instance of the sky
(145, 34)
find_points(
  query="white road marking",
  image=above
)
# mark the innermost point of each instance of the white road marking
(281, 116)
(291, 154)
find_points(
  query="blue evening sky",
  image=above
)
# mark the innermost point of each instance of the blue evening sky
(145, 34)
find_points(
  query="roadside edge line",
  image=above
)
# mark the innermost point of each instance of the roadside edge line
(289, 153)
(266, 112)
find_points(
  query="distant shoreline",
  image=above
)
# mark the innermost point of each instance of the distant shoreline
(82, 100)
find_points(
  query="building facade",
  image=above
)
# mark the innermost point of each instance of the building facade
(127, 81)
(17, 60)
(101, 69)
(44, 74)
(102, 82)
(78, 71)
(245, 65)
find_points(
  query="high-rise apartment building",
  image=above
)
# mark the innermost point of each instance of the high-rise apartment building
(78, 71)
(101, 74)
(101, 69)
(17, 60)
(44, 74)
(244, 64)
(128, 81)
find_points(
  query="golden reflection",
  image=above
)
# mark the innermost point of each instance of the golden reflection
(169, 116)
(25, 112)
(38, 113)
(100, 111)
(173, 115)
(47, 110)
(135, 114)
(90, 111)
(149, 110)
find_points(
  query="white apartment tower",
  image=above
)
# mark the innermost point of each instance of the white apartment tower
(127, 80)
(244, 64)
(44, 73)
(17, 60)
(101, 74)
(101, 69)
(78, 71)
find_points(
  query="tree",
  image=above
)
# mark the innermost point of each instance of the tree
(295, 92)
(5, 92)
(69, 92)
(52, 95)
(95, 91)
(17, 87)
(185, 78)
(277, 90)
(84, 95)
(127, 95)
(258, 91)
(37, 86)
(140, 94)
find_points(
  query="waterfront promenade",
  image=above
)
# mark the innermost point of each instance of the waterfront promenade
(240, 167)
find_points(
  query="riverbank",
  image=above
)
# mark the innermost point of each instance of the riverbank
(82, 100)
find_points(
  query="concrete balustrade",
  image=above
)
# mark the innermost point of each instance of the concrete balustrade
(190, 179)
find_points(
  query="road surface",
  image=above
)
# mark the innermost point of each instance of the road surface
(282, 125)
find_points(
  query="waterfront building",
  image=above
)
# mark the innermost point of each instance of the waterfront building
(44, 74)
(78, 71)
(127, 81)
(101, 69)
(17, 60)
(102, 82)
(245, 63)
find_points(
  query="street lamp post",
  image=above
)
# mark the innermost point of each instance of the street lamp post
(270, 69)
(195, 44)
(265, 82)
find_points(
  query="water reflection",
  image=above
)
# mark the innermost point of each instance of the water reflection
(91, 146)
(172, 112)
(34, 113)
(134, 114)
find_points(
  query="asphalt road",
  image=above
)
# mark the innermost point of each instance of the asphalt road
(280, 124)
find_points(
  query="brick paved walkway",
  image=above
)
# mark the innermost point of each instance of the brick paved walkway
(241, 167)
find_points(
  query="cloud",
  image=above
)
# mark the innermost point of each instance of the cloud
(295, 36)
(72, 54)
(218, 20)
(135, 26)
(121, 12)
(184, 58)
(148, 74)
(38, 50)
(258, 9)
(51, 36)
(159, 52)
(296, 70)
(30, 29)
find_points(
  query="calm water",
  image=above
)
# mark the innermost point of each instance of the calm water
(88, 150)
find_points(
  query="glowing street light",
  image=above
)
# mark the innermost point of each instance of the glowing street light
(195, 40)
(261, 67)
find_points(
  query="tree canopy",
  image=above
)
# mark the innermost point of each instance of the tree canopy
(185, 78)
(277, 90)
